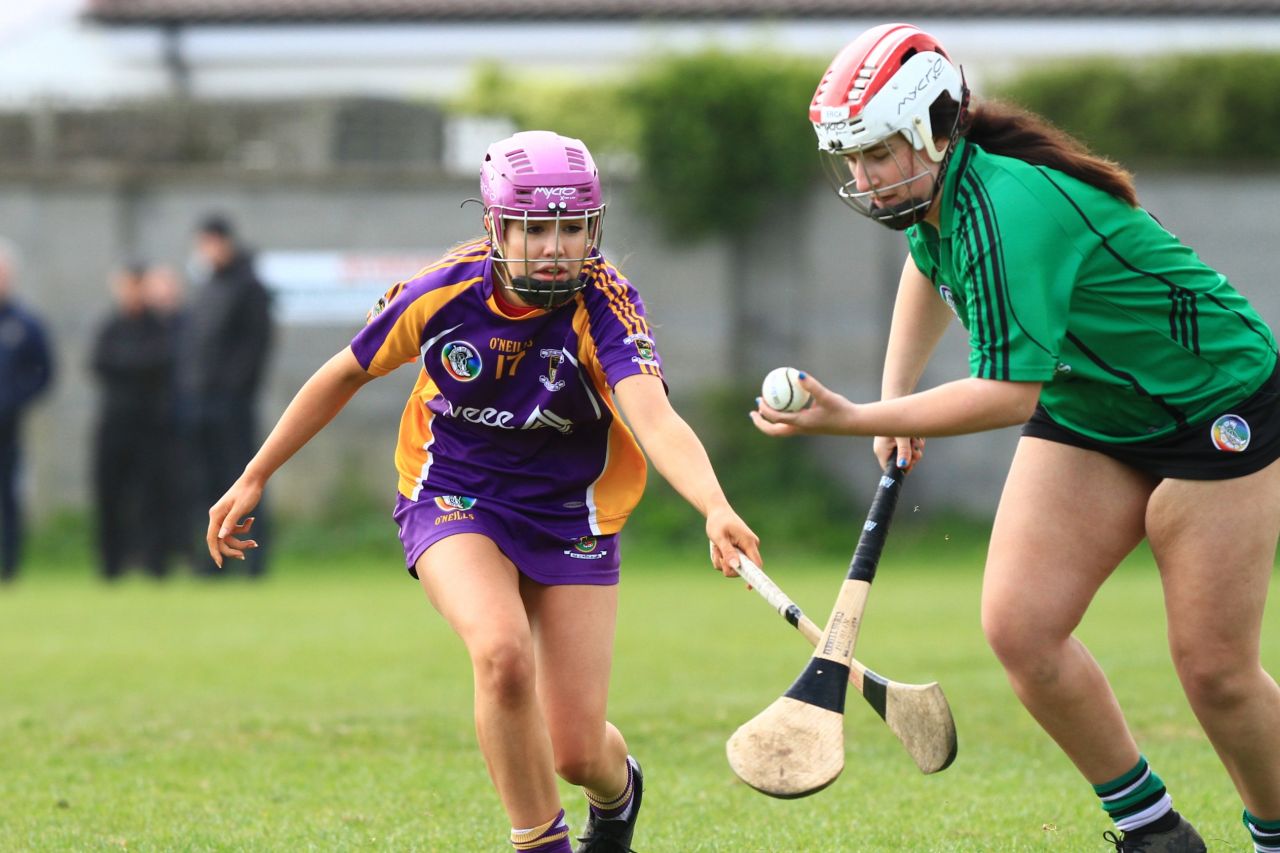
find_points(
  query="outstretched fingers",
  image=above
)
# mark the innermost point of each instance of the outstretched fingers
(224, 537)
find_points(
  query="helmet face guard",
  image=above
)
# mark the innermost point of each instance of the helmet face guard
(881, 86)
(541, 178)
(517, 260)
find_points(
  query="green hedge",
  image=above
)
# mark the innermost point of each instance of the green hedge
(716, 137)
(1181, 110)
(722, 136)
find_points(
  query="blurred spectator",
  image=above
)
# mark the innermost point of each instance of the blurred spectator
(165, 295)
(26, 367)
(223, 356)
(133, 358)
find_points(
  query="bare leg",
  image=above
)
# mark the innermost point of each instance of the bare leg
(1215, 543)
(1067, 517)
(573, 628)
(477, 590)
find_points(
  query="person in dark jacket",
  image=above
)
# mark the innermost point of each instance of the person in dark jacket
(225, 347)
(179, 506)
(26, 366)
(133, 361)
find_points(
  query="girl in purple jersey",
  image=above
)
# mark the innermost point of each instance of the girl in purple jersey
(517, 472)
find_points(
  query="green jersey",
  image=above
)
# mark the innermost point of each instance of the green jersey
(1059, 282)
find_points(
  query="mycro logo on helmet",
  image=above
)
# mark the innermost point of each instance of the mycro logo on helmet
(557, 192)
(931, 76)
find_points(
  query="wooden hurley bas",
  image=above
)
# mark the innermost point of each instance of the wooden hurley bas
(795, 746)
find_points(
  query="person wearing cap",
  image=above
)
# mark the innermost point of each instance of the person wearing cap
(517, 473)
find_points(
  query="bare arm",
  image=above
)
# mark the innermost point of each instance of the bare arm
(680, 458)
(953, 408)
(920, 318)
(320, 399)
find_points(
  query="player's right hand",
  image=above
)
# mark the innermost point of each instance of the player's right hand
(901, 451)
(225, 527)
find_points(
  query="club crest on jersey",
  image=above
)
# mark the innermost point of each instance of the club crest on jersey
(950, 298)
(644, 348)
(447, 502)
(548, 379)
(1230, 433)
(461, 360)
(585, 549)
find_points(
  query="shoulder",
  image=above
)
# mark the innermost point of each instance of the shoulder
(1016, 203)
(608, 281)
(464, 264)
(460, 269)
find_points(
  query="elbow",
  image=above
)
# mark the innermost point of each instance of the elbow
(1008, 403)
(1023, 402)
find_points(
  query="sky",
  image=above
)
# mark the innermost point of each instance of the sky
(16, 19)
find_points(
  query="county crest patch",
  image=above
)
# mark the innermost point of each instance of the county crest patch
(448, 502)
(461, 360)
(1230, 433)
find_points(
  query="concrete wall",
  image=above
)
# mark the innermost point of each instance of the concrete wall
(812, 287)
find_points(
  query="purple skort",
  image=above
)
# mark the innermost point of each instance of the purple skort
(537, 551)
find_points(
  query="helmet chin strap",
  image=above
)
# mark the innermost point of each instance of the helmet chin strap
(902, 215)
(545, 294)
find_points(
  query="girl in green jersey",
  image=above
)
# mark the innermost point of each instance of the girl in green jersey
(1146, 385)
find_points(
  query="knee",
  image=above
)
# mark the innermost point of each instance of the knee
(504, 671)
(1008, 637)
(1023, 649)
(1213, 682)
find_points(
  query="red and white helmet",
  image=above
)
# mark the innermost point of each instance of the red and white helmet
(538, 174)
(884, 83)
(881, 84)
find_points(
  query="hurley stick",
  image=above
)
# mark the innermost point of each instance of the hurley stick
(917, 714)
(795, 747)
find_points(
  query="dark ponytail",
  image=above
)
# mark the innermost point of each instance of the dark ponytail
(1011, 131)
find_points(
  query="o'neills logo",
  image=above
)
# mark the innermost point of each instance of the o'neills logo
(456, 515)
(1230, 433)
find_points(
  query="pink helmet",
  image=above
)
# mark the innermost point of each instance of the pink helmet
(880, 85)
(539, 174)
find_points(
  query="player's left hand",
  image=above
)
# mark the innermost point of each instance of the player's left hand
(728, 534)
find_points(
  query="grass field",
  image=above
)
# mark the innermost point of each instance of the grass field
(328, 708)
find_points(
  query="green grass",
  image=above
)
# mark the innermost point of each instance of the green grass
(329, 708)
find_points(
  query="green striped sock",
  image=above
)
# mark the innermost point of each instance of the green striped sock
(1135, 799)
(1266, 833)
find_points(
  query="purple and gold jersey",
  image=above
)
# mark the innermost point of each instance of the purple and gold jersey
(515, 410)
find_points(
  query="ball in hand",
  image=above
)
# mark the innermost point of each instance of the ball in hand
(782, 390)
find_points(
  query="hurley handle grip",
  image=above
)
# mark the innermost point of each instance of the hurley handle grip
(875, 530)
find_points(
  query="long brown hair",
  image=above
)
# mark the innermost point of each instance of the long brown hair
(1002, 128)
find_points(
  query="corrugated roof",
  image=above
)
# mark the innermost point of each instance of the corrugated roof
(323, 11)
